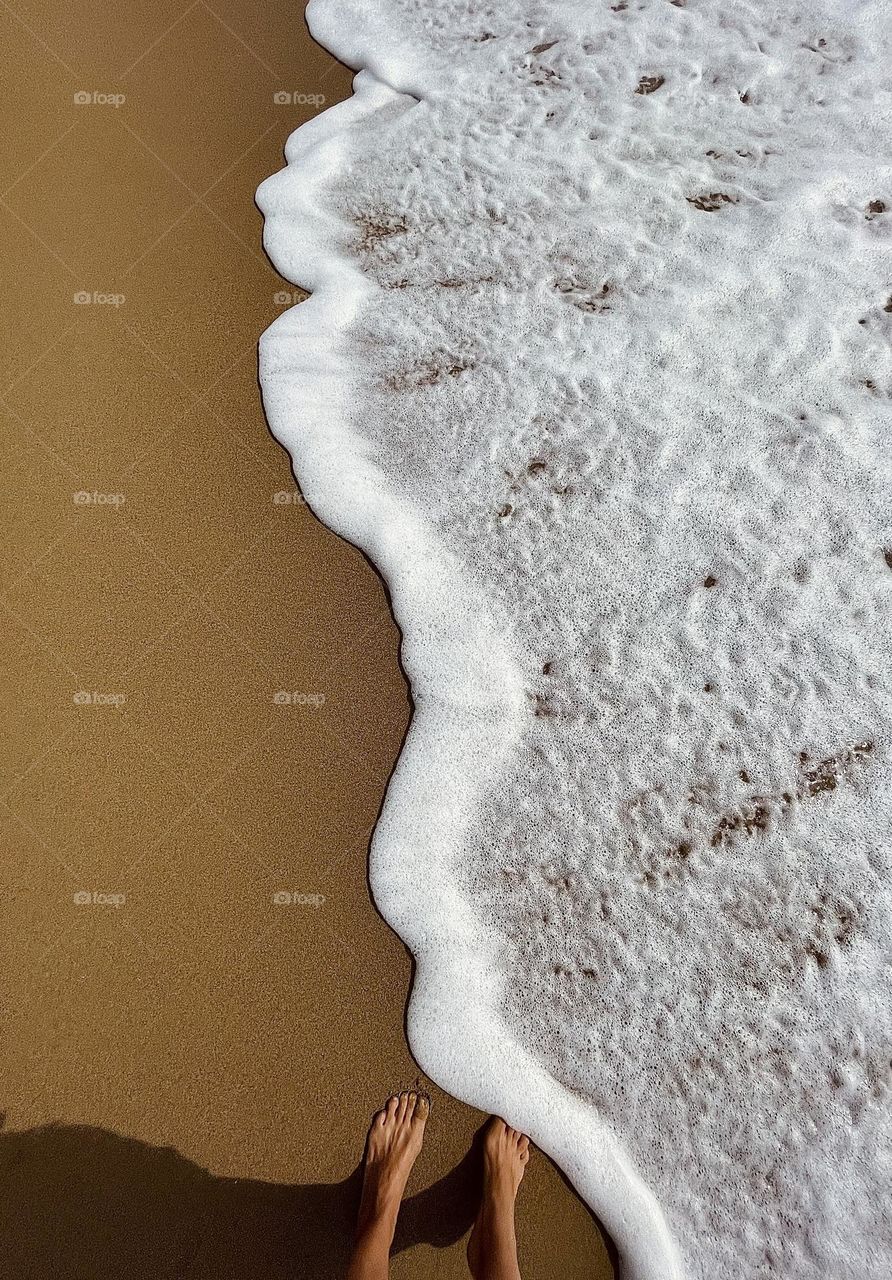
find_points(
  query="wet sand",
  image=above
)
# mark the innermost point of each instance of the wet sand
(206, 701)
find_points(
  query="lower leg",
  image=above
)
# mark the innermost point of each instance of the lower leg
(492, 1248)
(392, 1147)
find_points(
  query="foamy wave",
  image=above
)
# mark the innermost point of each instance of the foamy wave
(598, 370)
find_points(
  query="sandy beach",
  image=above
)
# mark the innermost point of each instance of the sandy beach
(203, 1006)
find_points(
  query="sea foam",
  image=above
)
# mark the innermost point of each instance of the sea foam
(597, 369)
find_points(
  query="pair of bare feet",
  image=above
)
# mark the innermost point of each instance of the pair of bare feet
(394, 1142)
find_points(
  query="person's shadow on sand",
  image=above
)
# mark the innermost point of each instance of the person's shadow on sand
(79, 1203)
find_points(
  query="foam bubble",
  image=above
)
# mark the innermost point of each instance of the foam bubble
(598, 370)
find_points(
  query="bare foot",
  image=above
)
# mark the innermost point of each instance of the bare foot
(506, 1153)
(492, 1248)
(392, 1147)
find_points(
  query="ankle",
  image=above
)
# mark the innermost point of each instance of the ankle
(500, 1186)
(378, 1214)
(375, 1236)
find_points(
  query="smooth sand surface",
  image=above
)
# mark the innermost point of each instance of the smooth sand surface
(208, 1058)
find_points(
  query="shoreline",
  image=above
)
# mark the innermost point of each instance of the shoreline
(188, 1055)
(483, 1065)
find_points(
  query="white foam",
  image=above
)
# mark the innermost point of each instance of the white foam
(573, 353)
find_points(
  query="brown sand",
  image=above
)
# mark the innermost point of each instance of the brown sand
(208, 1059)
